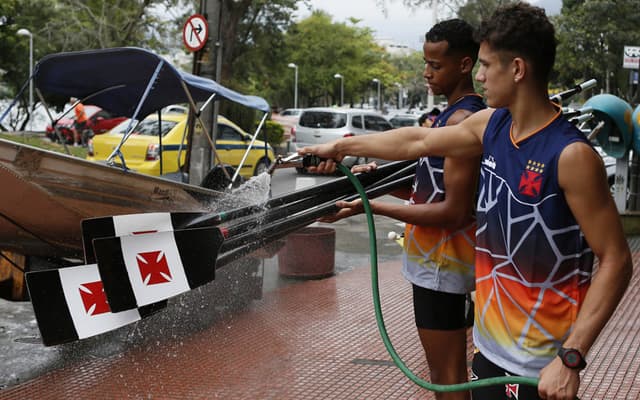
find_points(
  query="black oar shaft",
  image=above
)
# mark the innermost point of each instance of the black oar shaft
(339, 184)
(259, 237)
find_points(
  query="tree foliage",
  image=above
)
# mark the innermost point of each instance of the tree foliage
(592, 35)
(321, 48)
(474, 11)
(69, 25)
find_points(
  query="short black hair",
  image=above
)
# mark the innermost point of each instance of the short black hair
(524, 30)
(423, 118)
(458, 34)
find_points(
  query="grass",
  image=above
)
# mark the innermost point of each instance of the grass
(43, 142)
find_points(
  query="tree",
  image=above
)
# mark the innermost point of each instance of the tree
(321, 48)
(474, 11)
(592, 35)
(68, 25)
(443, 8)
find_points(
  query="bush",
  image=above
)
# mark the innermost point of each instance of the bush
(275, 132)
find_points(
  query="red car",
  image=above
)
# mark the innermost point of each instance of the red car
(99, 121)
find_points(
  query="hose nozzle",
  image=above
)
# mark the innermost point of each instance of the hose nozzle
(295, 161)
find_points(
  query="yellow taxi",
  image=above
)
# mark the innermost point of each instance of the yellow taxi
(142, 149)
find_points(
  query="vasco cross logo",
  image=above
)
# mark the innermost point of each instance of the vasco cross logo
(511, 390)
(93, 298)
(154, 268)
(531, 179)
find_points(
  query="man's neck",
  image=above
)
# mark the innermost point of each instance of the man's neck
(465, 87)
(530, 112)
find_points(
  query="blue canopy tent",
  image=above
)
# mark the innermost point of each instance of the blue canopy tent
(132, 82)
(116, 79)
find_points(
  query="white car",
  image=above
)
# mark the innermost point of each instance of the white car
(325, 124)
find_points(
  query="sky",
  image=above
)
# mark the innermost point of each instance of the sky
(401, 24)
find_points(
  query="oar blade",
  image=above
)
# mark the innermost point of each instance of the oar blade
(129, 224)
(70, 304)
(138, 270)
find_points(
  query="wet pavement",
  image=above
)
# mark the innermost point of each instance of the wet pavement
(23, 357)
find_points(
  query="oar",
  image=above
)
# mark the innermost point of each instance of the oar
(112, 225)
(305, 204)
(237, 246)
(142, 269)
(131, 264)
(341, 183)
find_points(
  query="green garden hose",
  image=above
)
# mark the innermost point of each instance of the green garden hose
(380, 322)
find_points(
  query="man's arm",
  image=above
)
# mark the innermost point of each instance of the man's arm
(455, 211)
(462, 140)
(583, 180)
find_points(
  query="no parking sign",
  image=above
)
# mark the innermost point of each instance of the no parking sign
(195, 32)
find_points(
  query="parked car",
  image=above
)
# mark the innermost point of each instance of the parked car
(400, 120)
(322, 125)
(99, 121)
(288, 118)
(142, 149)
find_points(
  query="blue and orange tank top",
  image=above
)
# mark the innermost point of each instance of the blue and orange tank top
(433, 257)
(533, 265)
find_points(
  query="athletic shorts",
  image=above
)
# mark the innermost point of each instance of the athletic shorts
(483, 368)
(80, 126)
(439, 310)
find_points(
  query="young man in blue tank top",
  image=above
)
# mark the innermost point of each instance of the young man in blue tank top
(542, 206)
(438, 254)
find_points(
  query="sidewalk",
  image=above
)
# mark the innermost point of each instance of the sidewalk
(309, 340)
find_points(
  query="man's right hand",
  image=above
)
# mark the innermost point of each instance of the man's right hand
(327, 151)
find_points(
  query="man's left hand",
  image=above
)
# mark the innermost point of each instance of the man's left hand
(558, 382)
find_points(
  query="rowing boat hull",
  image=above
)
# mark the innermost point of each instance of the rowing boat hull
(45, 195)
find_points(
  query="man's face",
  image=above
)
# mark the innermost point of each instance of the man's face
(495, 75)
(442, 71)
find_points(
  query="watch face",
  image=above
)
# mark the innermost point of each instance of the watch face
(572, 358)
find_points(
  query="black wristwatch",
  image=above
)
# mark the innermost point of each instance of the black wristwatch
(572, 358)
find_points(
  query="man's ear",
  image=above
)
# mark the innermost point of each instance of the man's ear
(466, 65)
(519, 69)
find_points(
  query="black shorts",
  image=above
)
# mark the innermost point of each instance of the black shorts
(438, 310)
(483, 368)
(80, 126)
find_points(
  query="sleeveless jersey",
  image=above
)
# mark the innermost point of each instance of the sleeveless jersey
(436, 258)
(533, 265)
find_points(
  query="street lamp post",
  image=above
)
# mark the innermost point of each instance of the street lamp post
(26, 32)
(295, 84)
(399, 94)
(338, 76)
(376, 80)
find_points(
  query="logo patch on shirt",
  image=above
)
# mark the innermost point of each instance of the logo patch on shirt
(489, 162)
(531, 179)
(154, 267)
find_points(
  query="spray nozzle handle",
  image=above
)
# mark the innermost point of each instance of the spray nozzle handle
(311, 160)
(297, 161)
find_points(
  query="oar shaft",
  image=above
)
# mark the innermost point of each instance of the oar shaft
(259, 237)
(341, 183)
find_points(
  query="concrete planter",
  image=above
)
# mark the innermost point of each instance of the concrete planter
(308, 253)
